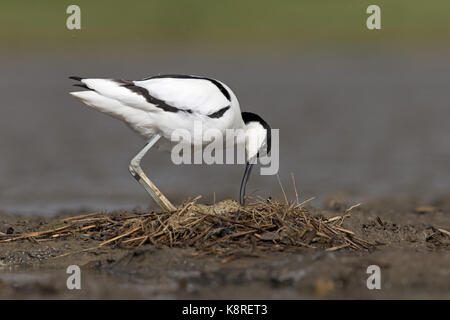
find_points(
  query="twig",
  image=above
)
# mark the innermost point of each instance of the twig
(295, 188)
(353, 207)
(282, 189)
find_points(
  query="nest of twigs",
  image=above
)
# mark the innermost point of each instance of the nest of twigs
(225, 229)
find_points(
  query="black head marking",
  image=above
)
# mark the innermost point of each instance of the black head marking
(253, 117)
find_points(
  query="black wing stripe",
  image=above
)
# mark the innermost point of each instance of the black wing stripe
(144, 92)
(160, 103)
(182, 76)
(219, 114)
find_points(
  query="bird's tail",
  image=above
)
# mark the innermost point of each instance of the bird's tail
(98, 101)
(137, 119)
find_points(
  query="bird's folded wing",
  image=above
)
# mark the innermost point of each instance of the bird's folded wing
(165, 94)
(196, 95)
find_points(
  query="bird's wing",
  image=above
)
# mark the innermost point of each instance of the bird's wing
(166, 93)
(189, 93)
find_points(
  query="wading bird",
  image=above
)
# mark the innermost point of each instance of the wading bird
(156, 106)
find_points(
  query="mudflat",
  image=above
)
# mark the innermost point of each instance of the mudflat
(407, 239)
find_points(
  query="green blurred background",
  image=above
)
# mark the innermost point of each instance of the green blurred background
(223, 23)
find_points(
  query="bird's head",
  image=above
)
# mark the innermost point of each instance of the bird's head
(258, 140)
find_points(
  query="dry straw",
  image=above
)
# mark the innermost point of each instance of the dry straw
(225, 229)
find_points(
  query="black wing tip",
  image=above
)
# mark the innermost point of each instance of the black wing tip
(82, 86)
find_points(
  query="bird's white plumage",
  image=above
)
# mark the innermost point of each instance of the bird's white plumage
(195, 98)
(113, 89)
(135, 118)
(164, 106)
(198, 95)
(255, 138)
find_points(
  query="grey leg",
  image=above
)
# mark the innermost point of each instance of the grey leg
(140, 176)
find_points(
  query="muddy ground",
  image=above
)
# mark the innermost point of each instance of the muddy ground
(413, 256)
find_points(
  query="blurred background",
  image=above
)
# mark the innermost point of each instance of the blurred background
(360, 112)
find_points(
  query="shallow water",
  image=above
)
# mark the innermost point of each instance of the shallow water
(368, 122)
